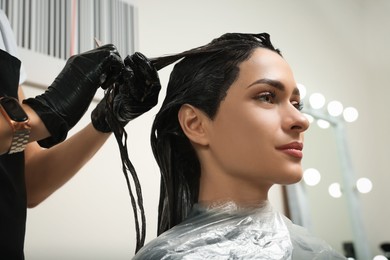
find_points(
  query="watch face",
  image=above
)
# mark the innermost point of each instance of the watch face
(13, 109)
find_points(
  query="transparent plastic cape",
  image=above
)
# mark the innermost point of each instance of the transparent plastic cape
(227, 231)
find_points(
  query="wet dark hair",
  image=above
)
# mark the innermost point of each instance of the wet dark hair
(201, 78)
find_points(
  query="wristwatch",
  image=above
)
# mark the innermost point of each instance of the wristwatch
(18, 120)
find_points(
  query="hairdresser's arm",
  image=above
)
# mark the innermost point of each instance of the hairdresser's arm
(38, 129)
(46, 170)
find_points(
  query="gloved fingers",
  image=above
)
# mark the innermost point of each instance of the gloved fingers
(146, 83)
(107, 48)
(101, 65)
(134, 92)
(142, 66)
(112, 64)
(112, 73)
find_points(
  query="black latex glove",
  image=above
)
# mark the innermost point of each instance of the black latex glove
(9, 74)
(135, 93)
(67, 99)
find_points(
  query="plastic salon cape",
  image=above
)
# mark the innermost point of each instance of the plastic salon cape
(228, 232)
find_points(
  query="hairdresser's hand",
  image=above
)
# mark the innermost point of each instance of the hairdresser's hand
(134, 94)
(68, 98)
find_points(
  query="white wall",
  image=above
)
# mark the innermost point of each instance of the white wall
(334, 47)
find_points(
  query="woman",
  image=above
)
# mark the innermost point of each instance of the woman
(229, 128)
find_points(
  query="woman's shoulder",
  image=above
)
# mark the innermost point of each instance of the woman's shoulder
(179, 241)
(218, 233)
(308, 246)
(165, 246)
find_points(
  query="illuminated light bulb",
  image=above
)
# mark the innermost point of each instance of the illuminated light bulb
(317, 100)
(335, 190)
(364, 185)
(302, 90)
(323, 123)
(380, 257)
(350, 114)
(311, 176)
(310, 118)
(335, 108)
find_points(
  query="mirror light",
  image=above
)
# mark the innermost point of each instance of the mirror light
(350, 114)
(364, 185)
(310, 118)
(323, 123)
(317, 100)
(335, 108)
(335, 190)
(379, 257)
(311, 176)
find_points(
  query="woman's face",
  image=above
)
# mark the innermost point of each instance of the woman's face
(257, 134)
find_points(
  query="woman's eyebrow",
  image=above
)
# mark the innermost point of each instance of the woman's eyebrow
(274, 83)
(271, 82)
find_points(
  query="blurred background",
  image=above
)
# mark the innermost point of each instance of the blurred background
(337, 48)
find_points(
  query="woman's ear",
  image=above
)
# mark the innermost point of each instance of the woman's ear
(193, 122)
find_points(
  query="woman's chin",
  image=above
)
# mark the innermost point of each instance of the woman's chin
(292, 179)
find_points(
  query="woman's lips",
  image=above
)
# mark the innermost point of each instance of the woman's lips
(293, 149)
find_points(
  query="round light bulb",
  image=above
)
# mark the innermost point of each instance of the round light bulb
(350, 114)
(335, 108)
(311, 176)
(302, 90)
(323, 123)
(379, 257)
(310, 118)
(364, 185)
(335, 190)
(317, 100)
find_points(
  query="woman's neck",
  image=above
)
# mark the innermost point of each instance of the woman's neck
(220, 188)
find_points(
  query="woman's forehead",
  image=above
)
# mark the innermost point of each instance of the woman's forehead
(264, 63)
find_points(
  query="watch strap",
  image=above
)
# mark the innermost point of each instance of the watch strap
(19, 141)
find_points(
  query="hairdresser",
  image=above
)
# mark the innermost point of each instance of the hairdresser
(36, 157)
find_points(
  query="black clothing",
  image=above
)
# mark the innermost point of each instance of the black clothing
(13, 204)
(13, 199)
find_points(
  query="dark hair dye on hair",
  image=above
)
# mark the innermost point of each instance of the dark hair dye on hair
(201, 78)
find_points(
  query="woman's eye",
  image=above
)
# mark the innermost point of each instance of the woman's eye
(298, 105)
(268, 97)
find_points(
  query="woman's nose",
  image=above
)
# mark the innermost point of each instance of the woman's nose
(296, 120)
